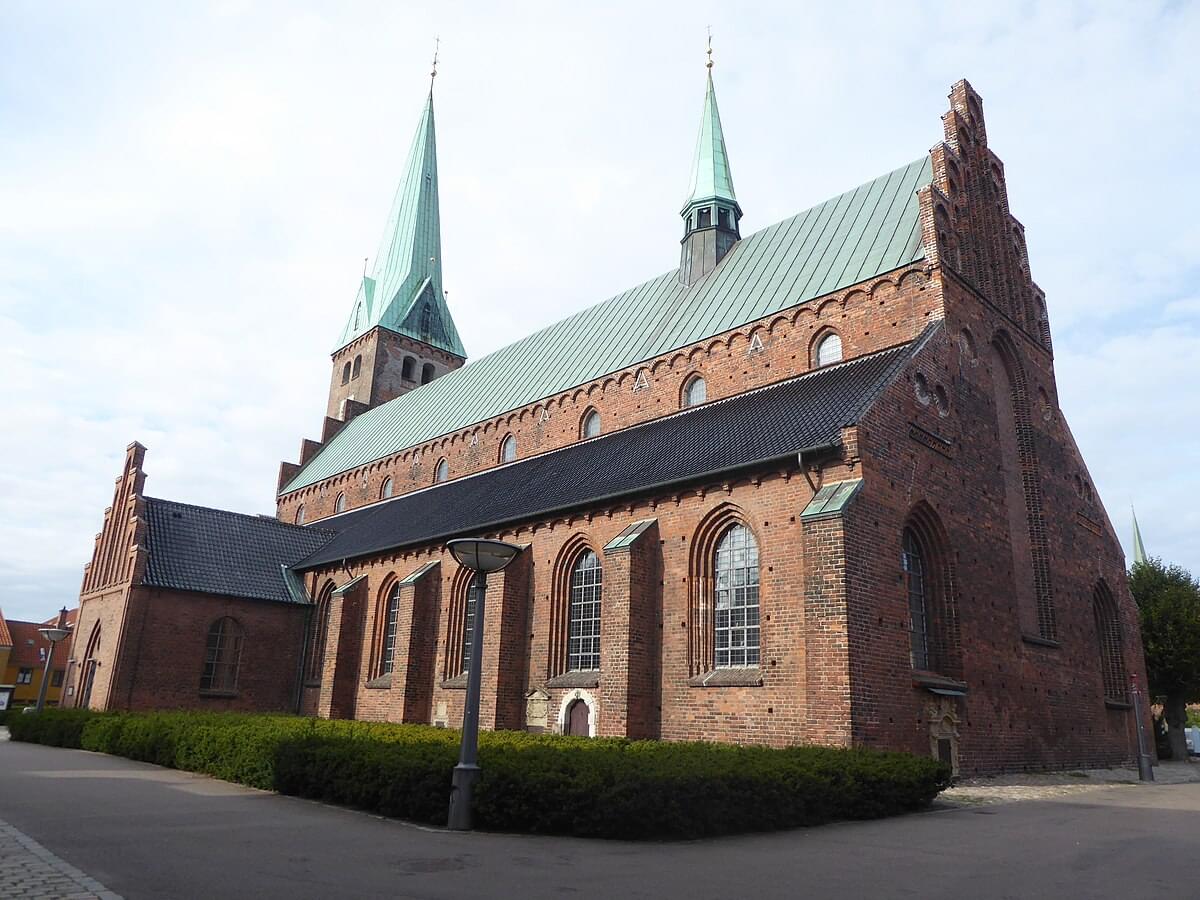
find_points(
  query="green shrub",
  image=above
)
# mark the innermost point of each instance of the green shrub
(547, 784)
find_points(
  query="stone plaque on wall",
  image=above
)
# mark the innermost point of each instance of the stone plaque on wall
(537, 710)
(439, 716)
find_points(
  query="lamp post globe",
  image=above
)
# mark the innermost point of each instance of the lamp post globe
(481, 556)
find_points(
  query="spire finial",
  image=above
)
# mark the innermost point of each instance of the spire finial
(708, 65)
(437, 45)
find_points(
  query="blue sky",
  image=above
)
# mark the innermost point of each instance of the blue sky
(187, 192)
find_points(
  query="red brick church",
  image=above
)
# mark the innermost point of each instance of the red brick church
(812, 486)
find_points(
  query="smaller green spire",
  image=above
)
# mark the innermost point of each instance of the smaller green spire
(1139, 549)
(712, 178)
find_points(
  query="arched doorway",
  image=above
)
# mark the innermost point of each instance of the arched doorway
(577, 719)
(87, 672)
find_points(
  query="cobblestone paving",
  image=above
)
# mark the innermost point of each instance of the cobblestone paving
(28, 871)
(1052, 785)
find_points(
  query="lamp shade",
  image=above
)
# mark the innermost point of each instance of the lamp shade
(482, 555)
(54, 635)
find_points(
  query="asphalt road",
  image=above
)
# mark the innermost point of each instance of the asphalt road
(155, 833)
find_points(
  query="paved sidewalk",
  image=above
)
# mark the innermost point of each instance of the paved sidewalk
(1052, 785)
(28, 870)
(158, 834)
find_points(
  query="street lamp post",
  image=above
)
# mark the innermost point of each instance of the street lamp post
(53, 635)
(1145, 765)
(480, 556)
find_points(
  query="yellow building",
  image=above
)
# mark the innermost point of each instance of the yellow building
(23, 652)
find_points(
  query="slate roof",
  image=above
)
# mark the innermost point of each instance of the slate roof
(749, 429)
(845, 240)
(194, 548)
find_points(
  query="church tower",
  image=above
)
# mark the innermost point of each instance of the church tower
(400, 334)
(711, 214)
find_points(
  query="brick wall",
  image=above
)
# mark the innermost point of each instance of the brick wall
(872, 316)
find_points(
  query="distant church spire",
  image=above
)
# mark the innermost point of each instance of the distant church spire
(404, 292)
(1139, 550)
(711, 214)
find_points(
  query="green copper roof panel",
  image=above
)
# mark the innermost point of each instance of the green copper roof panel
(831, 499)
(415, 575)
(845, 240)
(626, 538)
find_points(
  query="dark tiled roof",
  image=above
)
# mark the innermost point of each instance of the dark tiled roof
(752, 428)
(194, 548)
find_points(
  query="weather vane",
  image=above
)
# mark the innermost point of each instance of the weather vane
(709, 64)
(437, 44)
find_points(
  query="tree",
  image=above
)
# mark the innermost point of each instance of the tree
(1168, 599)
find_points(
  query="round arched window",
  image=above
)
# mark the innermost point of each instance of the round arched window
(442, 471)
(591, 424)
(386, 490)
(300, 514)
(695, 391)
(508, 449)
(829, 349)
(339, 505)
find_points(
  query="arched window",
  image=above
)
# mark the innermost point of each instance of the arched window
(913, 562)
(408, 369)
(87, 674)
(387, 643)
(591, 424)
(386, 490)
(427, 373)
(314, 664)
(339, 505)
(441, 471)
(735, 626)
(583, 618)
(346, 373)
(829, 349)
(695, 391)
(1108, 632)
(300, 514)
(357, 366)
(222, 657)
(508, 449)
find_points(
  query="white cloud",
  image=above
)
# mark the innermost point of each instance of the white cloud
(186, 195)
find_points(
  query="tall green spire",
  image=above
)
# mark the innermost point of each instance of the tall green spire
(1139, 550)
(712, 178)
(404, 291)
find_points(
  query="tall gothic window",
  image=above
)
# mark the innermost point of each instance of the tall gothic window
(387, 644)
(222, 657)
(583, 620)
(735, 626)
(314, 665)
(695, 391)
(468, 627)
(829, 349)
(913, 560)
(1108, 631)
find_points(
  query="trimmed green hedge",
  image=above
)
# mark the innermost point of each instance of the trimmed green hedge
(530, 783)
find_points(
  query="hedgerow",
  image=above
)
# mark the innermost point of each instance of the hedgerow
(549, 784)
